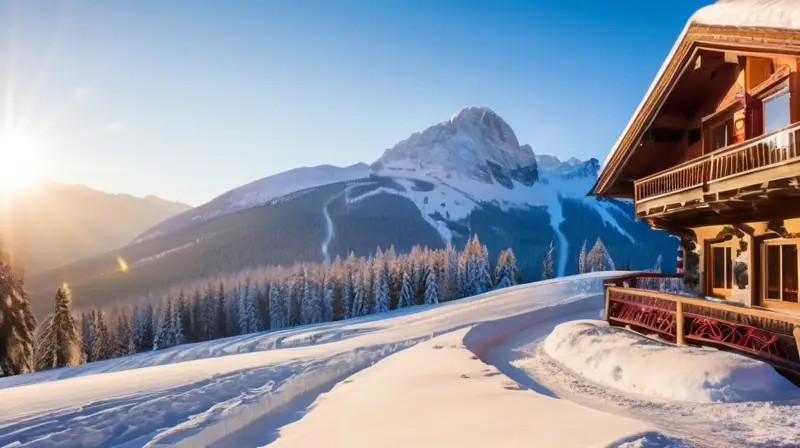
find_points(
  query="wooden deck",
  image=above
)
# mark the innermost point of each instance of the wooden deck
(771, 336)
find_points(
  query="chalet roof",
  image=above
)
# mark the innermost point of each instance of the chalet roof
(745, 16)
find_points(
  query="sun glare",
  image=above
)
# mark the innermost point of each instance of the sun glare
(20, 166)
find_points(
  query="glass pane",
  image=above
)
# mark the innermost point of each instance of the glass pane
(718, 275)
(773, 272)
(776, 112)
(789, 273)
(719, 136)
(728, 269)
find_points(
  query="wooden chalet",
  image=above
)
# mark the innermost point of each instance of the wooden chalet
(712, 155)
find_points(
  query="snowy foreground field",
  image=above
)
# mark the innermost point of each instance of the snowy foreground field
(475, 372)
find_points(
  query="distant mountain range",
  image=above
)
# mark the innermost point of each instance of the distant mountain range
(466, 175)
(54, 224)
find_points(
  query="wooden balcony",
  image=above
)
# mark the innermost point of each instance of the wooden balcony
(767, 158)
(770, 336)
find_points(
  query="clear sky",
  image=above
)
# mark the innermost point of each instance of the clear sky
(186, 99)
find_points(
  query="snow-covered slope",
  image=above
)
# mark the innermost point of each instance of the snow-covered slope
(424, 376)
(261, 192)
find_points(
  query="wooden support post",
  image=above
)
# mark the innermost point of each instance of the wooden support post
(679, 323)
(605, 310)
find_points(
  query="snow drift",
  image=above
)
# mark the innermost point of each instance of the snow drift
(621, 359)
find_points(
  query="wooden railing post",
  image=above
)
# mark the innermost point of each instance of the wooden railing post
(605, 310)
(679, 323)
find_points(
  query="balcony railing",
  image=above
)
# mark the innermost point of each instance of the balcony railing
(770, 150)
(770, 336)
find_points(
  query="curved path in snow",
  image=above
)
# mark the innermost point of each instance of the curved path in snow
(520, 356)
(556, 218)
(330, 229)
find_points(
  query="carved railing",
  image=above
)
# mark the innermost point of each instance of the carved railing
(773, 337)
(769, 150)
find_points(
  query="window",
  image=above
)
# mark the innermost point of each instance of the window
(722, 267)
(721, 134)
(776, 111)
(781, 271)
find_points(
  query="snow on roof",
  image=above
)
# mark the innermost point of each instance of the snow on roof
(777, 14)
(781, 14)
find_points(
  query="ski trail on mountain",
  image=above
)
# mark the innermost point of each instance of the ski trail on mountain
(556, 218)
(329, 224)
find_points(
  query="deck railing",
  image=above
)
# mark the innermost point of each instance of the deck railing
(773, 149)
(773, 337)
(651, 281)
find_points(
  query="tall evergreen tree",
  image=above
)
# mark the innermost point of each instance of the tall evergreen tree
(144, 326)
(103, 346)
(63, 340)
(198, 323)
(598, 258)
(17, 322)
(327, 297)
(163, 335)
(209, 314)
(177, 333)
(431, 290)
(87, 333)
(348, 293)
(185, 316)
(382, 298)
(406, 292)
(221, 313)
(277, 306)
(125, 344)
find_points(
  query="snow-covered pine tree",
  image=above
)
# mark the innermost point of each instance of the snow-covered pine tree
(510, 267)
(406, 292)
(582, 267)
(66, 331)
(547, 264)
(147, 329)
(277, 305)
(87, 333)
(17, 322)
(348, 293)
(232, 313)
(177, 333)
(124, 334)
(362, 289)
(484, 270)
(244, 308)
(163, 334)
(185, 316)
(500, 267)
(43, 348)
(250, 321)
(220, 313)
(103, 345)
(598, 258)
(198, 326)
(209, 312)
(328, 285)
(382, 299)
(451, 277)
(431, 290)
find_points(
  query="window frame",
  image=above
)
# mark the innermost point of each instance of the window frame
(765, 280)
(779, 90)
(727, 268)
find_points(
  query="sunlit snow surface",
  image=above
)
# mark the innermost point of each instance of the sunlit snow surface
(458, 374)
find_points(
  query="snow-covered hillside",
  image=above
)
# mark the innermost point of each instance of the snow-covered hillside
(446, 374)
(260, 192)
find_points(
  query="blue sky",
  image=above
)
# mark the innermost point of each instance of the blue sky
(186, 99)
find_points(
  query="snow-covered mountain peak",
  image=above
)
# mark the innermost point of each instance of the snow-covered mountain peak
(476, 143)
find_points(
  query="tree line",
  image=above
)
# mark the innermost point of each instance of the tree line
(268, 298)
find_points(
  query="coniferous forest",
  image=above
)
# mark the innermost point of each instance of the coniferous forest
(267, 298)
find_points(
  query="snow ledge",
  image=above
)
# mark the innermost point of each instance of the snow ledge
(629, 362)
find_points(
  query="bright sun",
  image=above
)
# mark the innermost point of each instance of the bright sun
(20, 165)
